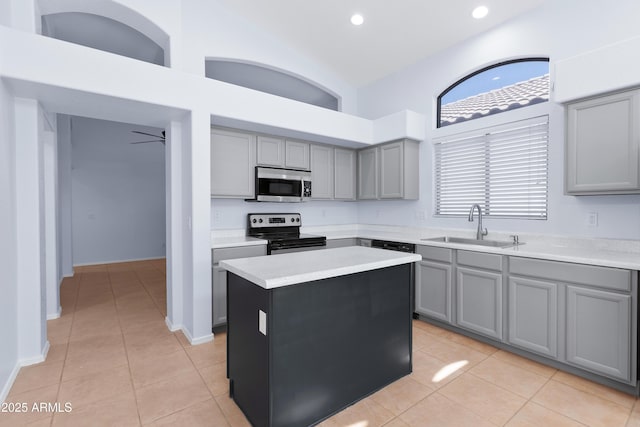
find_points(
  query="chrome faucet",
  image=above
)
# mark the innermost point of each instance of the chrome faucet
(481, 231)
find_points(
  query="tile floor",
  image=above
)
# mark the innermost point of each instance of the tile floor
(113, 359)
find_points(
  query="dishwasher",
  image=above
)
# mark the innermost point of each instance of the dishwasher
(401, 247)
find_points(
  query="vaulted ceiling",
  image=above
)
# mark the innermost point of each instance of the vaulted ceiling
(394, 34)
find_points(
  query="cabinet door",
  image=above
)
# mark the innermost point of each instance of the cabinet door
(345, 174)
(602, 144)
(533, 315)
(599, 331)
(296, 155)
(321, 172)
(392, 171)
(341, 243)
(219, 296)
(270, 151)
(368, 173)
(479, 301)
(233, 159)
(433, 290)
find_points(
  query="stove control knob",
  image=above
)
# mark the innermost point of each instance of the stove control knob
(254, 220)
(260, 220)
(297, 219)
(292, 220)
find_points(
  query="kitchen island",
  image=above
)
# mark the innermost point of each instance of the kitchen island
(311, 333)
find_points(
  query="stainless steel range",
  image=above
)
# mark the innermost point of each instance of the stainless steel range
(282, 232)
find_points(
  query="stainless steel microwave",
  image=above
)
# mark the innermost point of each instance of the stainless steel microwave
(282, 185)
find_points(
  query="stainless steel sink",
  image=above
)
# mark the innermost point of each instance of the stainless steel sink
(462, 240)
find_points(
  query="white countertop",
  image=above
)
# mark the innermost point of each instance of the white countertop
(274, 271)
(603, 252)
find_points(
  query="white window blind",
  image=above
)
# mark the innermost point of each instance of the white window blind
(503, 169)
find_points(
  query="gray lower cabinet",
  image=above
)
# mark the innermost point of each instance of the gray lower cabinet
(533, 315)
(364, 242)
(233, 160)
(219, 278)
(599, 331)
(341, 243)
(433, 283)
(583, 315)
(479, 293)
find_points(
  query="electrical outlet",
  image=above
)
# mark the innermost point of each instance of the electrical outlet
(592, 219)
(217, 215)
(262, 322)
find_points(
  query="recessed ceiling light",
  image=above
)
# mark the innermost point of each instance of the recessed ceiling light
(357, 19)
(480, 12)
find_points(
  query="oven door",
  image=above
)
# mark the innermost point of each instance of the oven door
(282, 185)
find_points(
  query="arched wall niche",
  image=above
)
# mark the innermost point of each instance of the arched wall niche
(108, 14)
(271, 80)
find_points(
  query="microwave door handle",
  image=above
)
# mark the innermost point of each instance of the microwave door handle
(301, 188)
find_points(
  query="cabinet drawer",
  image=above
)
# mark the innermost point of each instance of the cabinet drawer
(434, 253)
(603, 277)
(481, 260)
(239, 252)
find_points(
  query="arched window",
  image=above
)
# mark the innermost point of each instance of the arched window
(501, 87)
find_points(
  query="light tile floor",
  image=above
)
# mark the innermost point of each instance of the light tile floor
(113, 359)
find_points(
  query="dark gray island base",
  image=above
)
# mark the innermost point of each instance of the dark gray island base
(328, 344)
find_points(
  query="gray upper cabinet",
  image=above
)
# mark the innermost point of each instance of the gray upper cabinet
(479, 293)
(322, 172)
(599, 331)
(533, 315)
(345, 174)
(433, 283)
(270, 151)
(602, 145)
(368, 173)
(296, 155)
(233, 160)
(277, 152)
(389, 171)
(399, 175)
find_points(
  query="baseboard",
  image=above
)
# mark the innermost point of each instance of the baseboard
(38, 359)
(198, 340)
(55, 315)
(9, 383)
(118, 261)
(171, 326)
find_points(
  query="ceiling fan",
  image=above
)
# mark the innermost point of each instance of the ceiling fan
(158, 138)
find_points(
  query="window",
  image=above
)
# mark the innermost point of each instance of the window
(503, 169)
(502, 87)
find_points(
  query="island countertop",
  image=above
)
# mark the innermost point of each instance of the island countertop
(273, 271)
